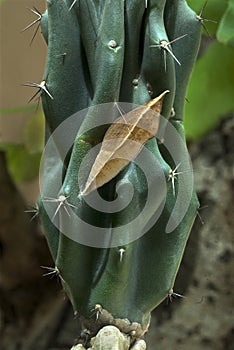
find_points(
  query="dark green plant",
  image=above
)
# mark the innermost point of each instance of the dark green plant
(103, 52)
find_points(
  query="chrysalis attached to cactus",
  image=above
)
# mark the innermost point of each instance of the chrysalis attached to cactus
(117, 243)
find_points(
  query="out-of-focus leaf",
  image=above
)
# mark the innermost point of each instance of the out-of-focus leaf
(18, 110)
(3, 147)
(22, 166)
(210, 91)
(214, 11)
(225, 33)
(23, 159)
(34, 134)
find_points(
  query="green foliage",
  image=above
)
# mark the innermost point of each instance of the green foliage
(211, 87)
(17, 110)
(211, 90)
(225, 32)
(34, 134)
(22, 165)
(23, 160)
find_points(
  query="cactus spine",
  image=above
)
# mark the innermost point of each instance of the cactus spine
(102, 52)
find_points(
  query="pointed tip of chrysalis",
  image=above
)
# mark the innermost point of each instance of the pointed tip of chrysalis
(164, 93)
(156, 103)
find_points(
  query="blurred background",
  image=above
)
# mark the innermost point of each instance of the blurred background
(34, 311)
(21, 62)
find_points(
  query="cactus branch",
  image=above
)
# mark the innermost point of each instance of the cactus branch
(116, 264)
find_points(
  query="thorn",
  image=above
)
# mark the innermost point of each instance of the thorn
(120, 112)
(165, 46)
(146, 4)
(41, 87)
(63, 55)
(165, 60)
(72, 5)
(172, 295)
(121, 254)
(202, 20)
(34, 211)
(62, 203)
(53, 271)
(39, 17)
(118, 108)
(173, 176)
(199, 215)
(97, 310)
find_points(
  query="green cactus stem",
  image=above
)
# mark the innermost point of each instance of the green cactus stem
(103, 52)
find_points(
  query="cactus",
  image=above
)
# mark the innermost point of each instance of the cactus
(101, 52)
